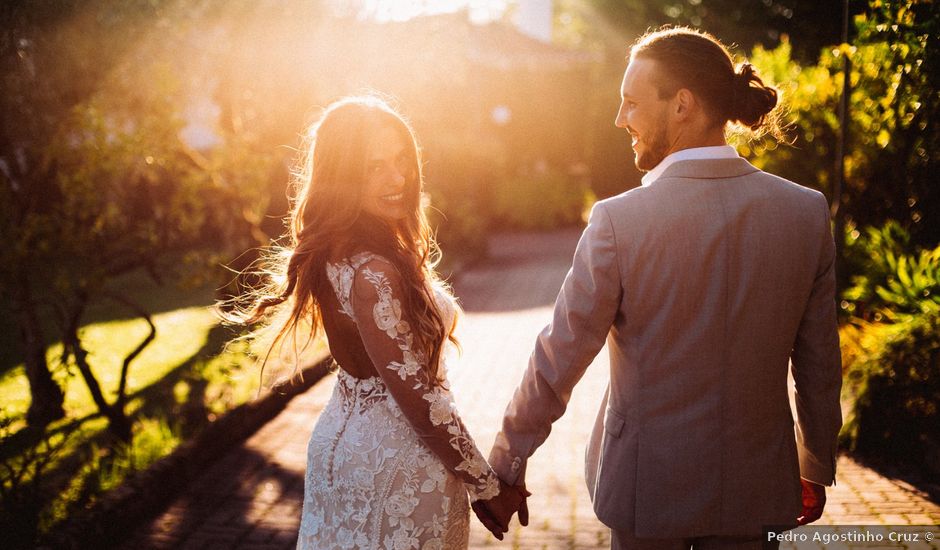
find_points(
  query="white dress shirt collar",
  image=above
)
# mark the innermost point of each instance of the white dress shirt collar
(695, 153)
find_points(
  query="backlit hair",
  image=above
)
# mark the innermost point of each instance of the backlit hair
(699, 62)
(327, 209)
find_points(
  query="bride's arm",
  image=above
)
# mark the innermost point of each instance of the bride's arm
(387, 335)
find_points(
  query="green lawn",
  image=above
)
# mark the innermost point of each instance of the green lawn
(181, 334)
(182, 381)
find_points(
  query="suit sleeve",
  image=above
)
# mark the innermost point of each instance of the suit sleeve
(386, 333)
(817, 369)
(584, 312)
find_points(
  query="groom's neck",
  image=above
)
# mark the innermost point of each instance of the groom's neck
(692, 135)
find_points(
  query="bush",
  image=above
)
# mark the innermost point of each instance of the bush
(186, 380)
(457, 185)
(24, 487)
(893, 103)
(461, 232)
(891, 348)
(896, 415)
(891, 276)
(541, 201)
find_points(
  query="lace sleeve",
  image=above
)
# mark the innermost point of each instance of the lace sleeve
(429, 408)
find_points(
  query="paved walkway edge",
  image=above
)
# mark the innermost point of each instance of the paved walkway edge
(146, 493)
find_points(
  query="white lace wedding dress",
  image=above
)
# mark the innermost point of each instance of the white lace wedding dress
(389, 464)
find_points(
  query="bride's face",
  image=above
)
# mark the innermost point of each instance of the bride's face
(389, 168)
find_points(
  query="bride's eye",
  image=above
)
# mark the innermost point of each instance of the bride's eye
(404, 164)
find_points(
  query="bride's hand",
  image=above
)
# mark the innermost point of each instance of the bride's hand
(496, 512)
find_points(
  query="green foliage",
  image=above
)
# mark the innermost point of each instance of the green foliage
(810, 95)
(541, 201)
(890, 344)
(809, 23)
(891, 279)
(461, 227)
(896, 384)
(106, 465)
(457, 181)
(182, 335)
(184, 381)
(92, 111)
(24, 491)
(891, 347)
(110, 186)
(892, 134)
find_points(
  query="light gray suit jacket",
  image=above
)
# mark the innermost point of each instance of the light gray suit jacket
(706, 285)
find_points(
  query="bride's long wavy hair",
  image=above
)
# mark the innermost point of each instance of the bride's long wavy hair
(327, 211)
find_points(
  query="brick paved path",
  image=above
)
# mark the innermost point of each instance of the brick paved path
(251, 498)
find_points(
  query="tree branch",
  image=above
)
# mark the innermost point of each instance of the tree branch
(142, 313)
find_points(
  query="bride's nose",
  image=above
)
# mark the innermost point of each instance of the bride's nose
(394, 176)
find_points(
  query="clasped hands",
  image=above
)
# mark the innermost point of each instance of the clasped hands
(496, 512)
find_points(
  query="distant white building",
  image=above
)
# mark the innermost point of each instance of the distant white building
(202, 117)
(534, 18)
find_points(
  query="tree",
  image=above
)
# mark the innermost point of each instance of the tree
(809, 24)
(893, 108)
(895, 133)
(96, 179)
(52, 55)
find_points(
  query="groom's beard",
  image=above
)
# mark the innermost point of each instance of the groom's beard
(655, 146)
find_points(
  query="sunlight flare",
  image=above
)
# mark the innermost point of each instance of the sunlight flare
(402, 10)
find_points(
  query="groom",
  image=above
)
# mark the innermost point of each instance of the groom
(708, 283)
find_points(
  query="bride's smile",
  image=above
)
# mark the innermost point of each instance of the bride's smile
(389, 175)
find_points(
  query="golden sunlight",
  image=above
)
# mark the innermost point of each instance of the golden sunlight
(480, 11)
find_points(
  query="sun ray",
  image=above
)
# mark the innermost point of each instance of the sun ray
(403, 10)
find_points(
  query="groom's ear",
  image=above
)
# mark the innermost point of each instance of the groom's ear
(682, 104)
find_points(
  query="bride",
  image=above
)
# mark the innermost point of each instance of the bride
(390, 463)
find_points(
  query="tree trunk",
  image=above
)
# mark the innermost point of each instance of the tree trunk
(118, 423)
(46, 396)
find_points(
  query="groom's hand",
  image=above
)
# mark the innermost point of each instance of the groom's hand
(814, 500)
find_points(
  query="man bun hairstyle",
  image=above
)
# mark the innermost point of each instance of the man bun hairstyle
(751, 99)
(699, 62)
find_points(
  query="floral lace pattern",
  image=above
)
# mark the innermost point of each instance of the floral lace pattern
(389, 463)
(341, 278)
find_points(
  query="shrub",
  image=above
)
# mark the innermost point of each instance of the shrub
(891, 348)
(891, 279)
(896, 382)
(27, 459)
(545, 200)
(460, 228)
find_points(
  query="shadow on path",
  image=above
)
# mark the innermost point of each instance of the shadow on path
(921, 481)
(237, 504)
